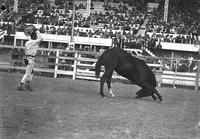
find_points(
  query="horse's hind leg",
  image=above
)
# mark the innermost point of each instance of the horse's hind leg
(145, 93)
(104, 78)
(151, 89)
(108, 81)
(139, 92)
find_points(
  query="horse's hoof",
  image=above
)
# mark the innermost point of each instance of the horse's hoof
(154, 98)
(161, 101)
(112, 95)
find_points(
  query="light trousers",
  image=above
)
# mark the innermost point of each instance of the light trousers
(28, 76)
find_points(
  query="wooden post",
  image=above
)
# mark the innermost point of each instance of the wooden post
(172, 60)
(49, 44)
(56, 63)
(15, 41)
(160, 73)
(22, 42)
(75, 65)
(95, 48)
(91, 48)
(174, 81)
(2, 40)
(73, 18)
(88, 8)
(197, 76)
(166, 7)
(49, 47)
(15, 9)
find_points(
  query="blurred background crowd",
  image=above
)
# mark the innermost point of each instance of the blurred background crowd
(119, 22)
(129, 23)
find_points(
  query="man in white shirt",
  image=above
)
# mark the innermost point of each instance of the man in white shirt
(31, 47)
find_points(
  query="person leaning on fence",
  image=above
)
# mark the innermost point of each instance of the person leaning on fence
(31, 47)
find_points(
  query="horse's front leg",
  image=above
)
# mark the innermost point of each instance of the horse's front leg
(106, 77)
(102, 81)
(108, 81)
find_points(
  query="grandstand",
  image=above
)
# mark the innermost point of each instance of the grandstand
(127, 24)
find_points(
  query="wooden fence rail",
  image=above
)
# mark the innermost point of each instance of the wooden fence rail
(80, 65)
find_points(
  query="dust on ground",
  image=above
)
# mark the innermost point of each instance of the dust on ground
(72, 109)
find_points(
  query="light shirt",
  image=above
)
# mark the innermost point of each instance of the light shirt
(31, 46)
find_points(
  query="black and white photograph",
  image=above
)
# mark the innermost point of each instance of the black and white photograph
(99, 69)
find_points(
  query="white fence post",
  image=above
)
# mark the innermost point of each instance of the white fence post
(160, 73)
(56, 63)
(15, 41)
(75, 65)
(2, 40)
(174, 80)
(197, 77)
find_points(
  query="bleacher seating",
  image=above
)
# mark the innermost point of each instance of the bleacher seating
(116, 21)
(114, 24)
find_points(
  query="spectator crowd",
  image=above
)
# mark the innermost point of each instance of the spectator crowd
(119, 22)
(116, 22)
(183, 26)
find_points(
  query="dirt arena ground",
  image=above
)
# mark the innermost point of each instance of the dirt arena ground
(72, 109)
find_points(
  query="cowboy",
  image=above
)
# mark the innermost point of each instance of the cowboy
(31, 47)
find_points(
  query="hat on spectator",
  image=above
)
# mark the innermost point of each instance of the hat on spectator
(29, 30)
(3, 7)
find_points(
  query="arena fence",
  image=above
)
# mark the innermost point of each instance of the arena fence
(81, 64)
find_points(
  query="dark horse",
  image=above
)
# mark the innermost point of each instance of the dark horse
(132, 68)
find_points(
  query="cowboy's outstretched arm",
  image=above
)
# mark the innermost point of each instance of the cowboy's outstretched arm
(39, 36)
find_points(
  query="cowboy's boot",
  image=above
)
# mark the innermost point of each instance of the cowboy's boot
(21, 87)
(28, 87)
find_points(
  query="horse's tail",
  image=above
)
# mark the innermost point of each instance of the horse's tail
(98, 67)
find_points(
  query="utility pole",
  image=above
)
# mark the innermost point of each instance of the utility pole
(166, 10)
(46, 5)
(15, 6)
(106, 2)
(15, 9)
(72, 32)
(88, 8)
